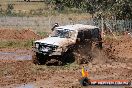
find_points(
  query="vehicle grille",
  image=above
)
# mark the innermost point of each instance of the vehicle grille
(45, 48)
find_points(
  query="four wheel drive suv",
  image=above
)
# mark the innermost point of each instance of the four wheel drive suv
(63, 41)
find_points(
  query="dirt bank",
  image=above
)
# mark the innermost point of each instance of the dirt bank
(119, 49)
(12, 34)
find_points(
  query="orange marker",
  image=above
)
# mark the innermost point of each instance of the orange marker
(84, 73)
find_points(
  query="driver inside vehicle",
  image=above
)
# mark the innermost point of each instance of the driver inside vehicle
(60, 33)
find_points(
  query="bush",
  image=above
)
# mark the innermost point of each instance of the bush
(10, 8)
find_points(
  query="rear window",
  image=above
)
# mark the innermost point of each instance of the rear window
(80, 34)
(95, 33)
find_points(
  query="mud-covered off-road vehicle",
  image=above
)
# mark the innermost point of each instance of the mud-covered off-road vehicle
(64, 41)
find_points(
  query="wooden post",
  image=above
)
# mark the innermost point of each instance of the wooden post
(50, 22)
(102, 27)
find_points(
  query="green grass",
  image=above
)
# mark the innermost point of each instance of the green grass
(34, 9)
(16, 44)
(20, 43)
(25, 8)
(42, 33)
(23, 5)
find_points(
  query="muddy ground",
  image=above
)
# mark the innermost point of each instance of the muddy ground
(114, 61)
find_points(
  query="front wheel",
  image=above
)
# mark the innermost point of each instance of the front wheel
(35, 58)
(68, 57)
(39, 58)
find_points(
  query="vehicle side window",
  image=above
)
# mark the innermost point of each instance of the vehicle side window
(95, 33)
(87, 34)
(80, 35)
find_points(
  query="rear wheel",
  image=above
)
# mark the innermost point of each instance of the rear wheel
(68, 57)
(82, 53)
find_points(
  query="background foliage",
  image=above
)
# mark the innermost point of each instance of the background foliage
(109, 9)
(112, 9)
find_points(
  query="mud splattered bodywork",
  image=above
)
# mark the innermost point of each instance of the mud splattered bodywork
(65, 39)
(54, 46)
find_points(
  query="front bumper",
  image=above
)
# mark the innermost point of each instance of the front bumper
(51, 53)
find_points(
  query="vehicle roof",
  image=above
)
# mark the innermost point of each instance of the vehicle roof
(76, 27)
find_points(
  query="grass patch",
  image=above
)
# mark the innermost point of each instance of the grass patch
(31, 9)
(42, 33)
(16, 44)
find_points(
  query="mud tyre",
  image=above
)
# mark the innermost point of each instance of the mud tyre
(64, 59)
(82, 52)
(67, 57)
(39, 59)
(54, 61)
(82, 56)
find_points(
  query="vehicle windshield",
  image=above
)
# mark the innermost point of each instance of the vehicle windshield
(61, 33)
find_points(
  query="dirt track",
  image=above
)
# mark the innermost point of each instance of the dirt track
(113, 62)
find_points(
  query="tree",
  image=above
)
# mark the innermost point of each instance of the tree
(120, 9)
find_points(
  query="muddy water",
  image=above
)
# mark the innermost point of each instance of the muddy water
(16, 55)
(29, 85)
(33, 85)
(26, 86)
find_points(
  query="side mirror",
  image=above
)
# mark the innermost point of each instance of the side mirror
(78, 40)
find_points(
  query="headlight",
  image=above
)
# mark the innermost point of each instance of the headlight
(37, 45)
(55, 46)
(59, 49)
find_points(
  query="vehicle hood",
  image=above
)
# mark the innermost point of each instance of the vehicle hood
(55, 41)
